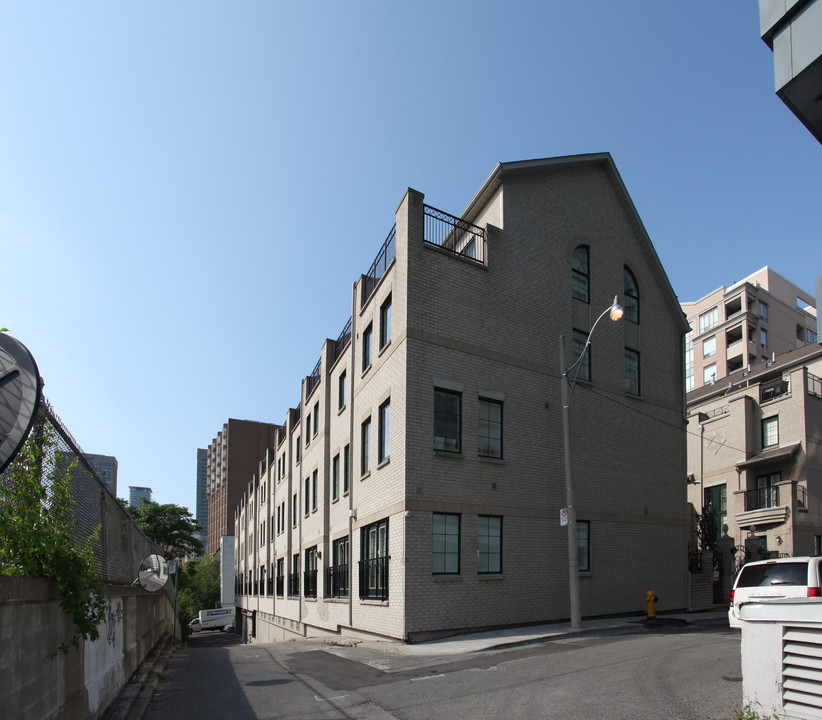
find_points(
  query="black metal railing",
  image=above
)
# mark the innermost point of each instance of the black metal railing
(336, 581)
(762, 498)
(374, 578)
(773, 389)
(454, 235)
(387, 253)
(294, 585)
(342, 340)
(310, 580)
(801, 496)
(280, 585)
(814, 385)
(270, 587)
(313, 378)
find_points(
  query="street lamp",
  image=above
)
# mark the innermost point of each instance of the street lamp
(615, 311)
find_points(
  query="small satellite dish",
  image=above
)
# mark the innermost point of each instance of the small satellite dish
(20, 388)
(153, 573)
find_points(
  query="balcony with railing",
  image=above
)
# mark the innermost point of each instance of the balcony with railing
(454, 234)
(294, 585)
(374, 579)
(280, 585)
(342, 341)
(773, 389)
(310, 580)
(336, 581)
(314, 378)
(387, 253)
(814, 385)
(762, 506)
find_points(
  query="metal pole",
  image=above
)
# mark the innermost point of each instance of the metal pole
(176, 576)
(573, 549)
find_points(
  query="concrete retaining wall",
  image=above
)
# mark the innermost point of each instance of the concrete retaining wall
(83, 683)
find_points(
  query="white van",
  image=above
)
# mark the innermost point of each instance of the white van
(779, 578)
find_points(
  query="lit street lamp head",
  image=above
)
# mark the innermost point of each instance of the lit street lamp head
(617, 311)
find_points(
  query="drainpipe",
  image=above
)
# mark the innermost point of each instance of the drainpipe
(349, 469)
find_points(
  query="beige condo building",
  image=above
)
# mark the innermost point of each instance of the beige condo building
(734, 328)
(417, 487)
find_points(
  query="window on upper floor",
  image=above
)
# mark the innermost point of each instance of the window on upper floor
(341, 391)
(314, 489)
(346, 468)
(446, 544)
(366, 347)
(763, 311)
(365, 445)
(630, 300)
(709, 347)
(385, 323)
(579, 340)
(447, 420)
(770, 431)
(489, 428)
(632, 372)
(763, 338)
(335, 477)
(307, 496)
(384, 439)
(316, 417)
(811, 336)
(708, 320)
(709, 374)
(580, 274)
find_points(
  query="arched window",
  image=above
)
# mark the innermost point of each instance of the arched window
(631, 297)
(580, 274)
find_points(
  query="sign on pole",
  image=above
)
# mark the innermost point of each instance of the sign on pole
(563, 517)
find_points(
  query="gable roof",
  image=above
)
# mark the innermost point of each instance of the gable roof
(606, 162)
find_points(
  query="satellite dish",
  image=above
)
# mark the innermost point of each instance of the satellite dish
(20, 388)
(153, 573)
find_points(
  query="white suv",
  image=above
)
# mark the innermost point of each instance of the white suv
(779, 578)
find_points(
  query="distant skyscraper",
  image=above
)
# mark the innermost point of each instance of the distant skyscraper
(106, 467)
(202, 496)
(136, 495)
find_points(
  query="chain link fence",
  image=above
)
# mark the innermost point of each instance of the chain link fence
(100, 519)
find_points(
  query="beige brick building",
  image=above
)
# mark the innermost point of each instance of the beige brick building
(755, 453)
(734, 328)
(417, 488)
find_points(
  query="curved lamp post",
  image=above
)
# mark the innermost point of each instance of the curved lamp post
(615, 311)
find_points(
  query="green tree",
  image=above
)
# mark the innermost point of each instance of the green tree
(38, 535)
(171, 526)
(706, 527)
(199, 587)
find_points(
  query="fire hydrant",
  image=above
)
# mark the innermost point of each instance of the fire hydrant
(650, 599)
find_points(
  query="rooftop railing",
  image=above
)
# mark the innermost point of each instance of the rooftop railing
(342, 340)
(387, 253)
(313, 378)
(814, 385)
(773, 389)
(455, 235)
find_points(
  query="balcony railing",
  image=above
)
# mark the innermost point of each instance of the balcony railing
(336, 581)
(374, 579)
(387, 253)
(313, 378)
(762, 498)
(294, 585)
(773, 389)
(310, 579)
(280, 585)
(814, 385)
(342, 340)
(454, 235)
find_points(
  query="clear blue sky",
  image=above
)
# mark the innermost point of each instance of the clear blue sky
(188, 190)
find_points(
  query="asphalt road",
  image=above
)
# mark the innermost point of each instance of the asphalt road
(690, 673)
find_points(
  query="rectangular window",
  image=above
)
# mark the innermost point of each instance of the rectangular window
(770, 431)
(384, 440)
(717, 497)
(341, 391)
(374, 563)
(280, 575)
(335, 477)
(365, 444)
(307, 496)
(632, 372)
(817, 545)
(489, 428)
(338, 573)
(314, 489)
(580, 274)
(310, 579)
(298, 450)
(489, 544)
(763, 311)
(308, 430)
(294, 578)
(294, 510)
(447, 420)
(708, 320)
(709, 374)
(763, 338)
(709, 347)
(811, 335)
(584, 545)
(316, 417)
(385, 323)
(346, 468)
(366, 347)
(445, 544)
(580, 339)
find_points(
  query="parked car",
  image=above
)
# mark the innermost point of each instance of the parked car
(229, 628)
(779, 578)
